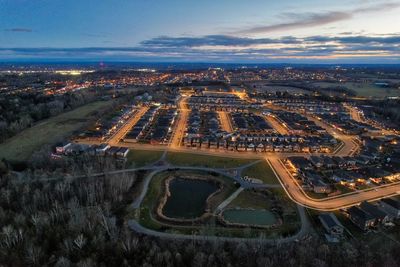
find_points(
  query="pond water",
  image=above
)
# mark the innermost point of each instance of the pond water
(251, 217)
(188, 198)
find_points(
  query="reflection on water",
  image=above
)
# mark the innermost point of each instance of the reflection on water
(188, 198)
(252, 217)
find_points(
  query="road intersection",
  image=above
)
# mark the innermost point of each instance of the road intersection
(348, 147)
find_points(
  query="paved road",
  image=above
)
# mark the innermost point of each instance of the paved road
(294, 191)
(297, 194)
(276, 125)
(357, 116)
(135, 226)
(226, 124)
(349, 145)
(114, 140)
(228, 200)
(180, 127)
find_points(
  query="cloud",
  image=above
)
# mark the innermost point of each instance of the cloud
(357, 39)
(224, 48)
(225, 40)
(307, 20)
(18, 30)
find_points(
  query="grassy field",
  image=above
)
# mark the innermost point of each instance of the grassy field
(145, 218)
(155, 190)
(50, 131)
(140, 158)
(187, 159)
(251, 200)
(261, 171)
(367, 90)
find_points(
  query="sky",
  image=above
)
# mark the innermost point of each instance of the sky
(256, 31)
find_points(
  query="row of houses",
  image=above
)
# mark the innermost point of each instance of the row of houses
(268, 145)
(162, 126)
(249, 122)
(203, 123)
(344, 123)
(298, 124)
(218, 102)
(367, 215)
(320, 173)
(68, 148)
(138, 130)
(309, 106)
(106, 127)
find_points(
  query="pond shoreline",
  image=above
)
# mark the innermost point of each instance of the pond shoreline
(225, 222)
(163, 200)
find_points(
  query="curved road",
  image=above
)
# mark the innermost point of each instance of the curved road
(135, 226)
(297, 194)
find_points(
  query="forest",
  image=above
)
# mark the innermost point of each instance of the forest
(49, 219)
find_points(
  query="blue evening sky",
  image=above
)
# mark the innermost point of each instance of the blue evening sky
(224, 30)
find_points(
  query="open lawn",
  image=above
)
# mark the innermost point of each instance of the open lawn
(145, 215)
(261, 171)
(50, 131)
(187, 159)
(361, 89)
(140, 158)
(250, 200)
(155, 191)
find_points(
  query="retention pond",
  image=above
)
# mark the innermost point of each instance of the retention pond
(188, 198)
(249, 217)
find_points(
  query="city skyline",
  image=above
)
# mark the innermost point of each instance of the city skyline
(264, 32)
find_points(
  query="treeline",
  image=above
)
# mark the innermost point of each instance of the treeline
(20, 111)
(48, 220)
(389, 109)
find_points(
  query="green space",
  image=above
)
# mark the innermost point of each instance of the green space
(195, 160)
(156, 190)
(140, 158)
(261, 171)
(363, 89)
(249, 217)
(250, 199)
(272, 200)
(50, 131)
(147, 217)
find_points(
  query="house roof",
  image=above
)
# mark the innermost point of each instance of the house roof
(329, 220)
(373, 210)
(359, 213)
(392, 202)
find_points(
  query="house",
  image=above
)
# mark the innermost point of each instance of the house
(299, 163)
(61, 148)
(380, 215)
(360, 218)
(112, 150)
(332, 226)
(76, 149)
(101, 149)
(391, 206)
(342, 176)
(317, 161)
(122, 152)
(321, 187)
